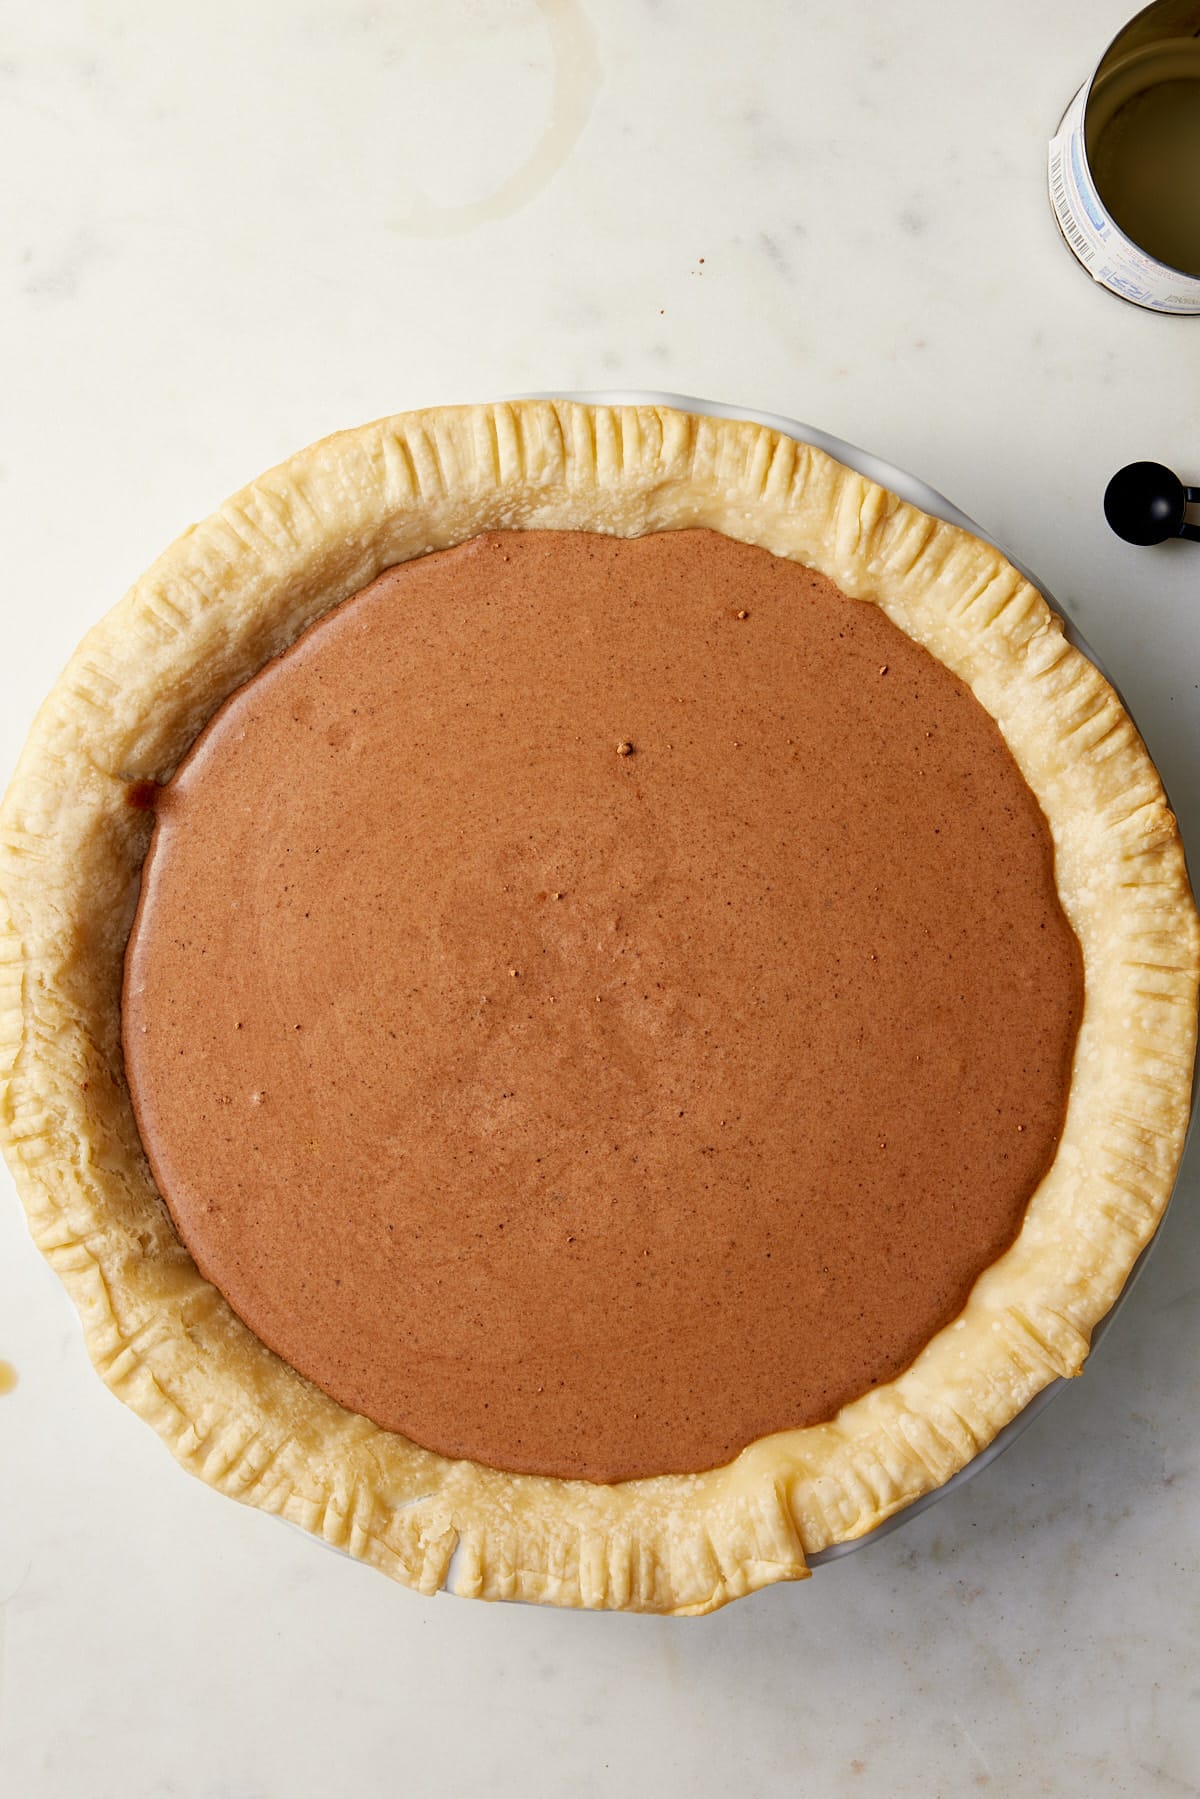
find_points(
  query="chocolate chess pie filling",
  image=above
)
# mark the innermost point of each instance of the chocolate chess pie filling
(597, 1001)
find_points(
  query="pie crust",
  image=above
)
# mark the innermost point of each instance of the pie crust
(237, 589)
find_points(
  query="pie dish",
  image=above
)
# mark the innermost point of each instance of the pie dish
(240, 589)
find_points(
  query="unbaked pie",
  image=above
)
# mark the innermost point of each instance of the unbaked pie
(660, 1006)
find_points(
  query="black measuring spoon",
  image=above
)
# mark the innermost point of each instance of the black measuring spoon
(1145, 503)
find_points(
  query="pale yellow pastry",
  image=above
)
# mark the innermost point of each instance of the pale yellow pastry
(657, 734)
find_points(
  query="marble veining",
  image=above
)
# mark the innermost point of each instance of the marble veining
(229, 230)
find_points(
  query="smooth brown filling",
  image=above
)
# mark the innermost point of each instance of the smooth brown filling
(595, 1002)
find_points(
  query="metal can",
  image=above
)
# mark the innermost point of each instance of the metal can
(1124, 164)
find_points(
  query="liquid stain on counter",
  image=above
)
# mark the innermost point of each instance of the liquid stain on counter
(576, 81)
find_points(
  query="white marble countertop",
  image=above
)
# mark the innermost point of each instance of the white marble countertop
(230, 229)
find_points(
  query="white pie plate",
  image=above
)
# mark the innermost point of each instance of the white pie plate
(918, 493)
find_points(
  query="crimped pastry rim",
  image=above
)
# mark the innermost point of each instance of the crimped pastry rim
(231, 593)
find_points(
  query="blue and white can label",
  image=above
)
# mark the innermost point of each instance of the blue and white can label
(1109, 257)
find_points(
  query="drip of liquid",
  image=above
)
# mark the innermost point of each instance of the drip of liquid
(576, 79)
(1143, 143)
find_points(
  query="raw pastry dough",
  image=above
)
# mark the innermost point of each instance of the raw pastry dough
(234, 591)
